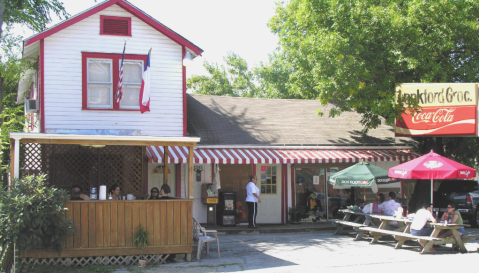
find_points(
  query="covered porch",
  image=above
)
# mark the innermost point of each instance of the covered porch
(107, 228)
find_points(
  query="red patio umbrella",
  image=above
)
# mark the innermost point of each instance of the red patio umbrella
(432, 166)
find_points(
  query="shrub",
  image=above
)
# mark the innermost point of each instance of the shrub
(32, 215)
(141, 237)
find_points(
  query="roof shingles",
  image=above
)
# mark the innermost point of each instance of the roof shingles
(254, 121)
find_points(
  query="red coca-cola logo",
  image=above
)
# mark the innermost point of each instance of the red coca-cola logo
(440, 115)
(459, 120)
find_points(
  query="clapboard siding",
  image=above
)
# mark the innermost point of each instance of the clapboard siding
(63, 78)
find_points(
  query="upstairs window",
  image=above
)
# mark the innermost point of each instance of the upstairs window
(100, 72)
(119, 26)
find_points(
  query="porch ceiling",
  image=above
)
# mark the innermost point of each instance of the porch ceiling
(103, 139)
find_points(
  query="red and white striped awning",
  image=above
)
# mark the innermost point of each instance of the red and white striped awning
(179, 154)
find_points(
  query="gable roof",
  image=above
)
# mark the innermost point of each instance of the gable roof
(279, 122)
(126, 6)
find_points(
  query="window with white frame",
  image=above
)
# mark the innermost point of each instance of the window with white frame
(132, 76)
(100, 84)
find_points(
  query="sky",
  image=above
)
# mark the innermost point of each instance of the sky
(216, 26)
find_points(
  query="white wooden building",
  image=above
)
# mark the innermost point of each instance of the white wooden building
(77, 76)
(73, 91)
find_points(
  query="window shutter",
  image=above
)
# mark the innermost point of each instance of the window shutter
(116, 26)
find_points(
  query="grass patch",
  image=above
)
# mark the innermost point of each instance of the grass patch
(96, 268)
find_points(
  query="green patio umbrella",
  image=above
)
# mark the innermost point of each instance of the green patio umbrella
(361, 174)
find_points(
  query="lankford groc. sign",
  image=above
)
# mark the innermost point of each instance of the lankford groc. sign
(447, 109)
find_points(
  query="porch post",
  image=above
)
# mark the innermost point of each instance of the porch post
(165, 162)
(17, 159)
(190, 172)
(12, 160)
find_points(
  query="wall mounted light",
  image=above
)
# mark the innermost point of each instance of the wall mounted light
(187, 60)
(198, 170)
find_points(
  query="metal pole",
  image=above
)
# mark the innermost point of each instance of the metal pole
(326, 198)
(432, 190)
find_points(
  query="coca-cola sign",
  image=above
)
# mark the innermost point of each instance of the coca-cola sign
(436, 121)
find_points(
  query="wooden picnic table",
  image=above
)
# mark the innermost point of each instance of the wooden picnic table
(404, 235)
(356, 224)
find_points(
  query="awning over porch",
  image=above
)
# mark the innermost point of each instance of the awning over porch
(178, 154)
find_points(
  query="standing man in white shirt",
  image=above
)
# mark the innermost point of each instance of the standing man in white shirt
(252, 200)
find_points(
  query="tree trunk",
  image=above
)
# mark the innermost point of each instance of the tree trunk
(421, 194)
(2, 95)
(2, 16)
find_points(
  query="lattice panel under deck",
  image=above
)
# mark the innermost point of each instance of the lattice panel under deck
(104, 260)
(68, 165)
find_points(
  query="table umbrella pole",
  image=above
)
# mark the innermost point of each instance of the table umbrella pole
(364, 191)
(432, 190)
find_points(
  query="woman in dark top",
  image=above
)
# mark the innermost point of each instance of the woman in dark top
(154, 193)
(115, 192)
(165, 189)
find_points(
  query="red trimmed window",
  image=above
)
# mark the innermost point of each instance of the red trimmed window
(100, 81)
(119, 26)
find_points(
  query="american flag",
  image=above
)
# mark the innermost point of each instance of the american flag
(119, 94)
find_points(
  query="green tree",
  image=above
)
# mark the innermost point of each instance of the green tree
(233, 80)
(355, 52)
(35, 14)
(274, 79)
(12, 117)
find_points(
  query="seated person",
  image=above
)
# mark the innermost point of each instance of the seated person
(165, 189)
(453, 217)
(381, 200)
(389, 207)
(154, 193)
(114, 192)
(77, 195)
(422, 216)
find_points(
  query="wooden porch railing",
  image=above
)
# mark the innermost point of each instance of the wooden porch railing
(107, 228)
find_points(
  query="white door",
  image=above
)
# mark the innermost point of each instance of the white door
(269, 184)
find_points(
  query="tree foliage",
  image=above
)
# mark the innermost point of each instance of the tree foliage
(12, 117)
(234, 80)
(32, 215)
(355, 52)
(34, 14)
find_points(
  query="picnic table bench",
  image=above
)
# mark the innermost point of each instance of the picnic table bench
(356, 225)
(427, 241)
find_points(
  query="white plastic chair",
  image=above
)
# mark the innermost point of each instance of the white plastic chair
(200, 235)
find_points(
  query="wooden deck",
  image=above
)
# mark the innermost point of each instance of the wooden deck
(107, 228)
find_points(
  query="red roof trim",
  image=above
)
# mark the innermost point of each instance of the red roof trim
(42, 86)
(165, 31)
(168, 33)
(70, 22)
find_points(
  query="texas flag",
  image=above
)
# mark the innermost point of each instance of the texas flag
(145, 87)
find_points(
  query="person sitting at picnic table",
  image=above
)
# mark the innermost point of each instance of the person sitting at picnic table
(374, 206)
(389, 207)
(453, 217)
(77, 195)
(418, 226)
